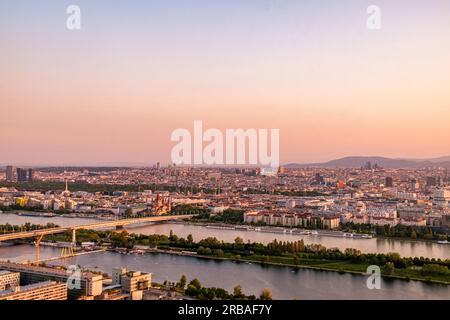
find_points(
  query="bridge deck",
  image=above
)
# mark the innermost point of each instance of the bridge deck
(115, 223)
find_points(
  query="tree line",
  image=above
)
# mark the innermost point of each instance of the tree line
(8, 228)
(195, 289)
(398, 231)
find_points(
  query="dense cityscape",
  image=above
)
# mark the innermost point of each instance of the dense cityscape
(224, 159)
(351, 203)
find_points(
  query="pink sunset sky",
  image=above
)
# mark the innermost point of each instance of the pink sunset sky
(114, 91)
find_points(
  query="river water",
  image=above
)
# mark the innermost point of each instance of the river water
(284, 282)
(405, 248)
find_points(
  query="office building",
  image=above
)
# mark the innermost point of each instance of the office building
(441, 198)
(319, 178)
(389, 182)
(30, 174)
(21, 175)
(431, 182)
(132, 282)
(9, 173)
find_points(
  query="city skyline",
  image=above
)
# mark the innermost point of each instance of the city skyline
(114, 91)
(364, 159)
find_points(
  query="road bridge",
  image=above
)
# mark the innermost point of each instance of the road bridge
(39, 234)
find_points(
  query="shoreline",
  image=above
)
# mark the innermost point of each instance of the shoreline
(205, 224)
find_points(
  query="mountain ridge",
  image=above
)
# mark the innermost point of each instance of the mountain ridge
(384, 162)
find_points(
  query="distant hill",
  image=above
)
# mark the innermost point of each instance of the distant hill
(357, 162)
(440, 159)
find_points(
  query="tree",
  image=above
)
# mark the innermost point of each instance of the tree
(388, 268)
(266, 294)
(237, 292)
(434, 269)
(182, 282)
(196, 284)
(128, 212)
(239, 241)
(204, 251)
(190, 239)
(192, 291)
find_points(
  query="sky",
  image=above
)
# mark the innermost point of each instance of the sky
(114, 91)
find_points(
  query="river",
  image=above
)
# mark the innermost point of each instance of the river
(406, 248)
(284, 282)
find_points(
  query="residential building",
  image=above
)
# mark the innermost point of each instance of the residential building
(48, 290)
(9, 280)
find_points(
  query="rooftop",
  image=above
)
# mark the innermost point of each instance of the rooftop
(28, 287)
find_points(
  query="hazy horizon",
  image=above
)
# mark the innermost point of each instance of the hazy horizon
(114, 91)
(149, 164)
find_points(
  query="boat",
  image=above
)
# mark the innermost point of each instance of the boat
(242, 228)
(443, 242)
(220, 227)
(348, 235)
(273, 230)
(362, 236)
(37, 214)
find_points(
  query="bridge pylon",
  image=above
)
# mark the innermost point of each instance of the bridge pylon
(38, 246)
(67, 252)
(74, 237)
